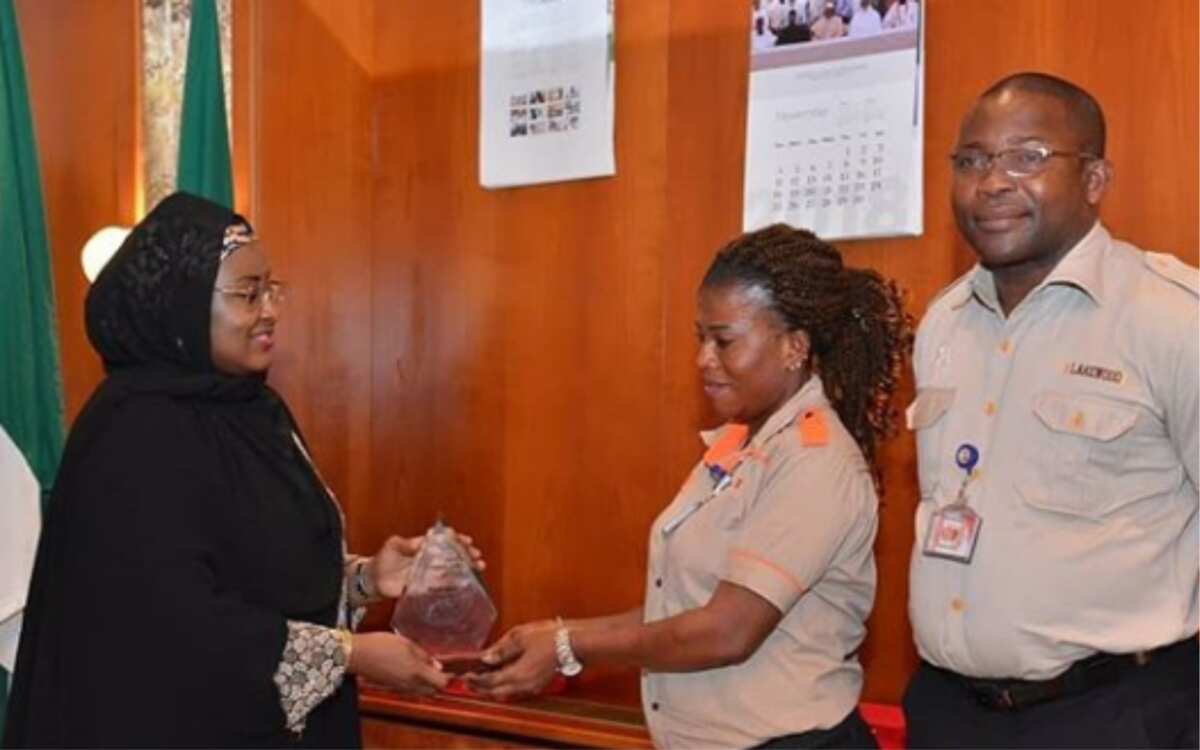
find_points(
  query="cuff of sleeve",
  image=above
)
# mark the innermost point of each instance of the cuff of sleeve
(765, 578)
(311, 669)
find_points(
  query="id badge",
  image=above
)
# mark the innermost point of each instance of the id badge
(953, 532)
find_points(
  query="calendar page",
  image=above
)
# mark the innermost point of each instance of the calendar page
(834, 135)
(546, 87)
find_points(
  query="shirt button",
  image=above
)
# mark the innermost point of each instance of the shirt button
(958, 605)
(658, 583)
(1005, 346)
(989, 408)
(654, 706)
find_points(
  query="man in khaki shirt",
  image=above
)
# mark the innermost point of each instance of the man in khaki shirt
(1053, 589)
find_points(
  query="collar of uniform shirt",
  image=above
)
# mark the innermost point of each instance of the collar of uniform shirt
(1082, 268)
(810, 395)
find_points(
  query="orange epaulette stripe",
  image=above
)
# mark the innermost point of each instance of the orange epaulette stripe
(730, 441)
(814, 430)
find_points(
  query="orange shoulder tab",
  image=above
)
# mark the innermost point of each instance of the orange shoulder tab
(814, 430)
(728, 444)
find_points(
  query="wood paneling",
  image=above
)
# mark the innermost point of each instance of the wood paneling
(81, 60)
(521, 361)
(311, 193)
(521, 328)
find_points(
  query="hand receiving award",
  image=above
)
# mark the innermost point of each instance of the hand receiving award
(445, 608)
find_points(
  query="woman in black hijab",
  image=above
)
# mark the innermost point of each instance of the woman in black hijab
(191, 585)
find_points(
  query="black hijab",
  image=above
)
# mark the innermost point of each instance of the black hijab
(184, 529)
(151, 302)
(148, 314)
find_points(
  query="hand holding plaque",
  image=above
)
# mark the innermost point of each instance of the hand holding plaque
(445, 608)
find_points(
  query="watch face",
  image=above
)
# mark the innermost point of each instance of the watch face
(570, 670)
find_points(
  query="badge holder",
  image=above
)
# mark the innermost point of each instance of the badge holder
(954, 530)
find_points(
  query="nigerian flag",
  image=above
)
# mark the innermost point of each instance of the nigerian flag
(31, 407)
(204, 162)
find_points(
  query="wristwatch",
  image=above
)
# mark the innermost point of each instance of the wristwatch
(568, 665)
(362, 585)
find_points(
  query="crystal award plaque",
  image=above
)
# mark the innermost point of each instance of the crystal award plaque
(445, 608)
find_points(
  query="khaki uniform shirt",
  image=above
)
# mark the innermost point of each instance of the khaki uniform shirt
(1082, 404)
(795, 525)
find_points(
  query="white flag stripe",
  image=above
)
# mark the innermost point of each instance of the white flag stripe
(20, 519)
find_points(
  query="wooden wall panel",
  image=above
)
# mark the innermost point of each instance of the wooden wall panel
(81, 61)
(520, 328)
(311, 206)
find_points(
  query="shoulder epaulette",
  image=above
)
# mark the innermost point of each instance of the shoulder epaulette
(1174, 270)
(814, 429)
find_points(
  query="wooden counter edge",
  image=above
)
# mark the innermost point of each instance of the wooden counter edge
(524, 720)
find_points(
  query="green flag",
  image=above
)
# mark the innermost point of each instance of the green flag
(204, 163)
(31, 406)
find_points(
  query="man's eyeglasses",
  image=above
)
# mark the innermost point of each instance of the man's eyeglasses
(1019, 161)
(254, 296)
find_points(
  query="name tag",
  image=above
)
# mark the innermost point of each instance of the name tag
(1095, 372)
(952, 534)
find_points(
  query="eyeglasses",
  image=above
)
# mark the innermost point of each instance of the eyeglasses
(1019, 161)
(254, 296)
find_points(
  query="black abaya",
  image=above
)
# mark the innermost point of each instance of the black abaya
(184, 530)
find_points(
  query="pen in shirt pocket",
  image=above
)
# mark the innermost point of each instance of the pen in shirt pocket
(722, 478)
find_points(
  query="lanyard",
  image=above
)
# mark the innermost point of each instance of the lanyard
(967, 458)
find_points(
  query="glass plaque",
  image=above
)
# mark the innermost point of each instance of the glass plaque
(445, 608)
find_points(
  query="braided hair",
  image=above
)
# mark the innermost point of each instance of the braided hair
(859, 331)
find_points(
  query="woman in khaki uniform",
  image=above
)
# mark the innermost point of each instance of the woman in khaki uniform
(761, 572)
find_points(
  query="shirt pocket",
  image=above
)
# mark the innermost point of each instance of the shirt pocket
(731, 506)
(1078, 455)
(926, 417)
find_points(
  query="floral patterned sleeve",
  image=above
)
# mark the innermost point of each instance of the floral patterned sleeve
(314, 657)
(312, 668)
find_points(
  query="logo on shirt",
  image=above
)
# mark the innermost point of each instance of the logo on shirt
(1095, 372)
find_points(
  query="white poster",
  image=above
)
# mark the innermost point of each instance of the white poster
(546, 91)
(834, 135)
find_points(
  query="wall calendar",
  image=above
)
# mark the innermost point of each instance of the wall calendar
(834, 136)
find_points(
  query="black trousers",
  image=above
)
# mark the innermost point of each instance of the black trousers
(851, 732)
(1156, 705)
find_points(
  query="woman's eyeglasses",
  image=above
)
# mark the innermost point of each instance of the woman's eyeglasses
(254, 296)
